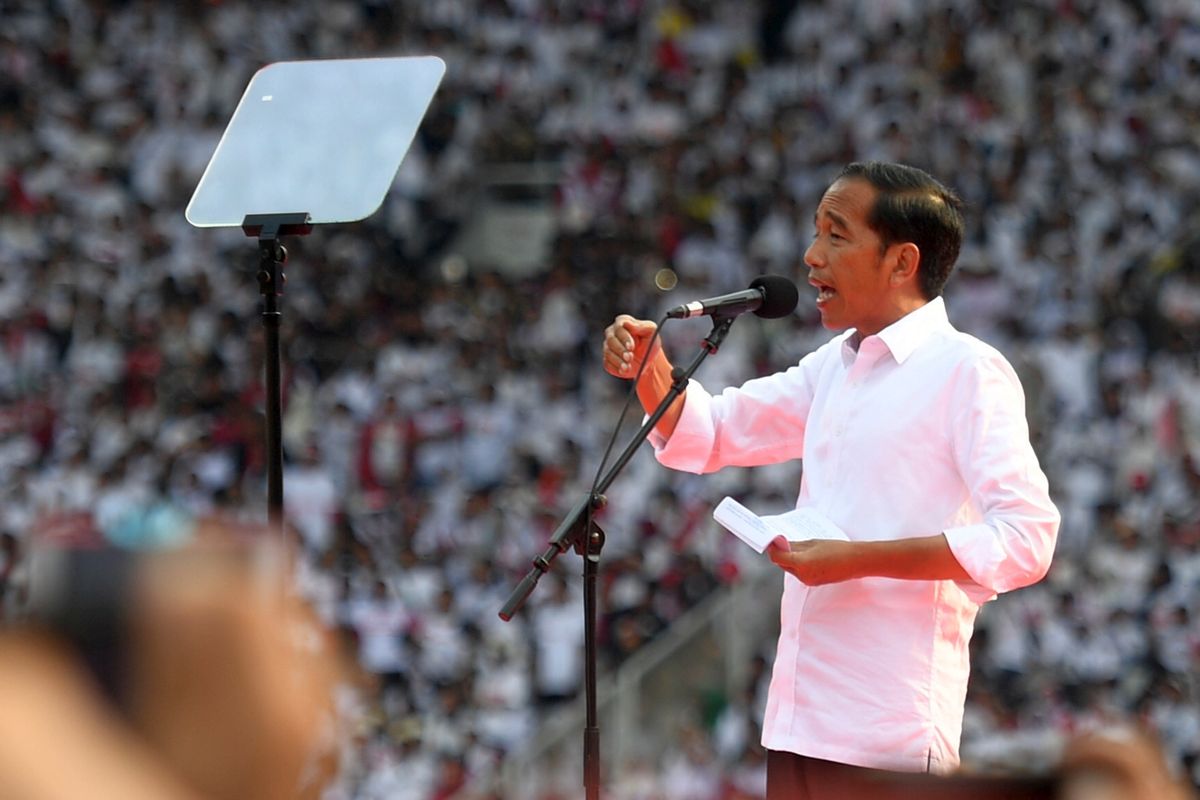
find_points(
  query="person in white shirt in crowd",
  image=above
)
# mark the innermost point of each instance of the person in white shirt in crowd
(383, 625)
(311, 502)
(915, 443)
(557, 628)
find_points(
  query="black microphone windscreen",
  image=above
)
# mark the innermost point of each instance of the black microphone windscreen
(780, 296)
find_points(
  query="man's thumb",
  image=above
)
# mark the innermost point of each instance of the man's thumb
(641, 328)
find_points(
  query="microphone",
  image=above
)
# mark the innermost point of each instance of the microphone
(769, 297)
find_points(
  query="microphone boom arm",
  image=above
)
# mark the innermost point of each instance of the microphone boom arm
(570, 529)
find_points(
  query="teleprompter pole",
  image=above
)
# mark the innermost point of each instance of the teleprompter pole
(272, 255)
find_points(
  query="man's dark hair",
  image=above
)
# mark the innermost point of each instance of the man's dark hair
(913, 206)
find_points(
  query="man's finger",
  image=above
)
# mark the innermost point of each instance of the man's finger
(640, 328)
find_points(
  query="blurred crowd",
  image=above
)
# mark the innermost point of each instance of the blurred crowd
(441, 415)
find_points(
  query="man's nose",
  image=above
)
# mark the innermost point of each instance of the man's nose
(814, 256)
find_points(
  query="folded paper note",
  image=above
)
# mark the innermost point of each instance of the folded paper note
(760, 532)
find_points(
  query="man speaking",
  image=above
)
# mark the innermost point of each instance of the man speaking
(915, 444)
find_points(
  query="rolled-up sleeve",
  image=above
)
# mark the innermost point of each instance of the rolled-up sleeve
(760, 422)
(1013, 544)
(691, 443)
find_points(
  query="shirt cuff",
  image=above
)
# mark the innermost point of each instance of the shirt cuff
(691, 443)
(978, 549)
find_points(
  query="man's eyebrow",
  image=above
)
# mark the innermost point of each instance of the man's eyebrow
(837, 218)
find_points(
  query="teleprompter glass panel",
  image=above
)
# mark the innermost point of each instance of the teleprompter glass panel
(321, 137)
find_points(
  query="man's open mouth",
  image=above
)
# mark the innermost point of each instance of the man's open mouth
(825, 292)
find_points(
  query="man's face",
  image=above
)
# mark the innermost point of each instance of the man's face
(847, 261)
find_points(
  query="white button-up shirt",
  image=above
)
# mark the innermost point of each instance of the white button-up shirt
(917, 430)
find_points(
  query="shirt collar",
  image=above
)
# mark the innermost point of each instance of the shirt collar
(906, 334)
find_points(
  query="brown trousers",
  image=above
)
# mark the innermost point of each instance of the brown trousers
(795, 777)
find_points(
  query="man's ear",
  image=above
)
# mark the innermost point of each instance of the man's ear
(905, 261)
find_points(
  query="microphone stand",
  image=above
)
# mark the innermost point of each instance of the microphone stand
(579, 531)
